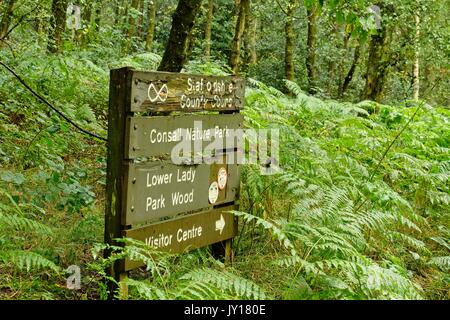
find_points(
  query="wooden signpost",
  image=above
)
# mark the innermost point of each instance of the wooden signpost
(145, 186)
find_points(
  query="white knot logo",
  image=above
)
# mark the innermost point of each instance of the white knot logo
(155, 94)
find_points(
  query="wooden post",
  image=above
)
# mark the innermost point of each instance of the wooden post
(120, 88)
(223, 250)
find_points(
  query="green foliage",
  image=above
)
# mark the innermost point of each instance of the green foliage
(356, 230)
(12, 220)
(169, 282)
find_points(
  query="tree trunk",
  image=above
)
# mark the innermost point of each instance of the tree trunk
(98, 13)
(313, 15)
(39, 22)
(132, 27)
(377, 67)
(151, 25)
(86, 16)
(289, 47)
(208, 29)
(175, 53)
(118, 12)
(416, 73)
(239, 31)
(343, 59)
(141, 8)
(86, 12)
(123, 15)
(250, 37)
(348, 78)
(6, 19)
(57, 25)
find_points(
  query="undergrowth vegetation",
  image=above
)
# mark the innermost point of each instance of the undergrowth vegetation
(360, 209)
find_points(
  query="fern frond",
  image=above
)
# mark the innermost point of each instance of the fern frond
(23, 224)
(27, 259)
(238, 286)
(146, 290)
(442, 263)
(277, 232)
(409, 240)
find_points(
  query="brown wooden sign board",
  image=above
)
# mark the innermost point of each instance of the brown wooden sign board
(163, 91)
(140, 192)
(161, 189)
(185, 233)
(152, 136)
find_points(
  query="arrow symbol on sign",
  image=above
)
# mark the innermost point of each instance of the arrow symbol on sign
(220, 224)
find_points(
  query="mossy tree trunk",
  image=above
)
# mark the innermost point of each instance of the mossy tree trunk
(6, 18)
(377, 66)
(235, 56)
(151, 25)
(348, 78)
(57, 26)
(140, 21)
(131, 25)
(250, 36)
(208, 28)
(175, 53)
(289, 70)
(313, 15)
(98, 15)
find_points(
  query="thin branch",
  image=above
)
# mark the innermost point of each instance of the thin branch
(10, 48)
(43, 100)
(285, 12)
(18, 23)
(419, 107)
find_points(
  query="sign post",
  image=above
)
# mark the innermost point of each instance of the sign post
(145, 186)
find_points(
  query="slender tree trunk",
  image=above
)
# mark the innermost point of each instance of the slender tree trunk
(140, 22)
(86, 16)
(175, 53)
(332, 66)
(250, 37)
(6, 19)
(118, 12)
(86, 12)
(348, 78)
(313, 15)
(151, 25)
(289, 46)
(377, 66)
(208, 28)
(98, 15)
(57, 25)
(239, 31)
(343, 59)
(132, 26)
(39, 22)
(416, 73)
(123, 18)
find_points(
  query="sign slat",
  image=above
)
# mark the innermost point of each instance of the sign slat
(157, 189)
(185, 233)
(163, 91)
(155, 136)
